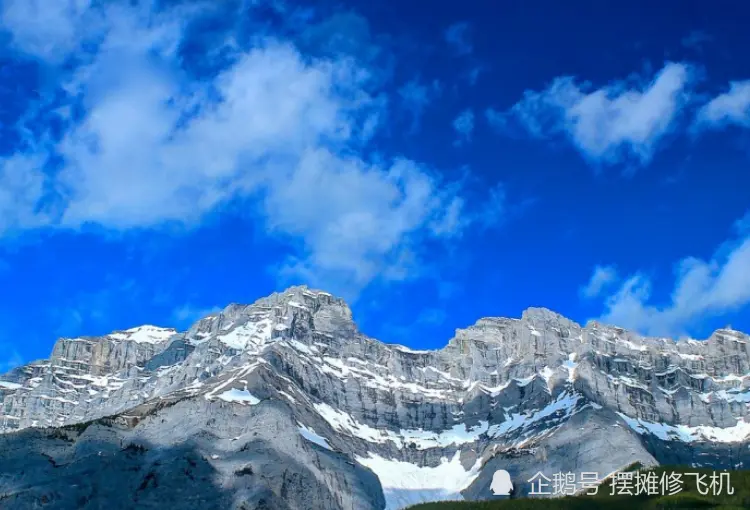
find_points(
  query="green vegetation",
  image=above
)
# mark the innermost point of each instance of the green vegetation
(688, 498)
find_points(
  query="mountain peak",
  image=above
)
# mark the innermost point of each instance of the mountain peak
(288, 382)
(295, 294)
(145, 334)
(544, 315)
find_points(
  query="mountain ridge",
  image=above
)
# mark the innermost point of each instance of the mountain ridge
(529, 312)
(294, 369)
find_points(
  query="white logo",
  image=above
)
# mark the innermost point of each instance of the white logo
(501, 483)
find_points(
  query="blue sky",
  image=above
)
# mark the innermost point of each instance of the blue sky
(160, 160)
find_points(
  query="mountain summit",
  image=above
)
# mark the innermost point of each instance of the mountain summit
(284, 404)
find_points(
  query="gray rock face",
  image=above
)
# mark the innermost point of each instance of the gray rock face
(285, 404)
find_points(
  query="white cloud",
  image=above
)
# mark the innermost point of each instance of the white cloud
(22, 183)
(702, 289)
(277, 129)
(47, 30)
(730, 108)
(609, 124)
(463, 125)
(358, 218)
(601, 277)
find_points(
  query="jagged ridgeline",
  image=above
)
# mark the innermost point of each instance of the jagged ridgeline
(284, 404)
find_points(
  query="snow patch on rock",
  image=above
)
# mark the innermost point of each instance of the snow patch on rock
(735, 434)
(239, 396)
(565, 405)
(421, 439)
(248, 335)
(144, 334)
(313, 437)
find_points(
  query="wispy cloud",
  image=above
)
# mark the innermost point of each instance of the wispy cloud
(9, 358)
(729, 108)
(619, 122)
(87, 311)
(458, 38)
(702, 288)
(696, 39)
(601, 278)
(282, 133)
(432, 317)
(463, 125)
(51, 31)
(186, 314)
(415, 97)
(474, 73)
(742, 225)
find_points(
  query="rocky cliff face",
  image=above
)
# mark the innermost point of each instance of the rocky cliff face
(285, 404)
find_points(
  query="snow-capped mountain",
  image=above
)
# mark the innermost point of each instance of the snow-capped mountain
(284, 404)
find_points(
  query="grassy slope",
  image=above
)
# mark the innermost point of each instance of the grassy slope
(688, 498)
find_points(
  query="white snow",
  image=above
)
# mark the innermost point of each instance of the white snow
(405, 484)
(250, 334)
(144, 334)
(389, 382)
(571, 365)
(693, 357)
(734, 395)
(737, 433)
(403, 348)
(343, 422)
(10, 385)
(495, 390)
(732, 378)
(239, 396)
(565, 403)
(525, 381)
(444, 375)
(670, 370)
(299, 346)
(547, 374)
(630, 345)
(288, 397)
(313, 437)
(238, 374)
(456, 435)
(628, 381)
(422, 439)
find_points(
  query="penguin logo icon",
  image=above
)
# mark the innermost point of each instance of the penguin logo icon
(501, 483)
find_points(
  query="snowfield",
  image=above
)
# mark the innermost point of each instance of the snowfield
(738, 433)
(405, 484)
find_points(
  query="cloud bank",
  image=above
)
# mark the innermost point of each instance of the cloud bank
(702, 288)
(144, 142)
(623, 121)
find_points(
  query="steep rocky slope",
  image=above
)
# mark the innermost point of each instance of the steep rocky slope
(284, 404)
